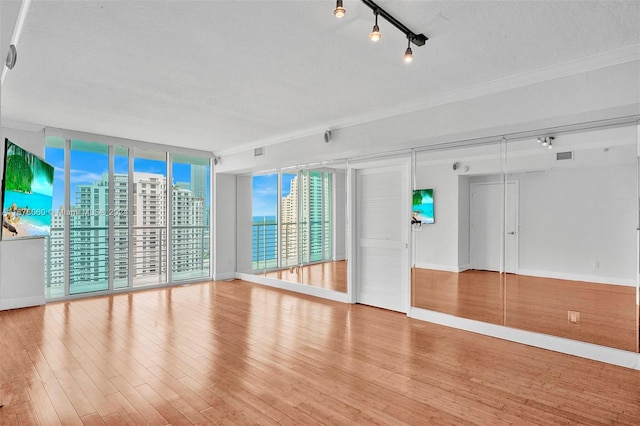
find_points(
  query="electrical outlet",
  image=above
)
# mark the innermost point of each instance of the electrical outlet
(573, 317)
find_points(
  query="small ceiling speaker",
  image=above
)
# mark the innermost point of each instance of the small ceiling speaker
(327, 136)
(12, 56)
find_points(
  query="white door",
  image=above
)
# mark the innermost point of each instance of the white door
(486, 227)
(383, 215)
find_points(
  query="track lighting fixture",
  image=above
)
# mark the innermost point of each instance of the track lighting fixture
(546, 141)
(408, 54)
(417, 39)
(375, 33)
(339, 11)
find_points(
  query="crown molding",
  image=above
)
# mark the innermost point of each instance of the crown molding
(601, 60)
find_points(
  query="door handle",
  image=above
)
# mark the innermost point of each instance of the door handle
(511, 233)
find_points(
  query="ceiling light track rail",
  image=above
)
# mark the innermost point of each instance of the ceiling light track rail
(417, 39)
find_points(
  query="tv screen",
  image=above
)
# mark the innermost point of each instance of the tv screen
(27, 194)
(422, 211)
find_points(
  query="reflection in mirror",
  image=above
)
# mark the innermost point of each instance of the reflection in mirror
(570, 237)
(456, 256)
(298, 230)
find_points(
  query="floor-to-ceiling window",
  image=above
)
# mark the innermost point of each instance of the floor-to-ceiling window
(264, 253)
(121, 204)
(55, 245)
(113, 226)
(288, 219)
(189, 217)
(88, 217)
(149, 218)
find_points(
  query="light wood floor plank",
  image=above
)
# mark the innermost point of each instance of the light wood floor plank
(237, 353)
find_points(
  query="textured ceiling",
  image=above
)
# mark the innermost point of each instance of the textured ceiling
(225, 75)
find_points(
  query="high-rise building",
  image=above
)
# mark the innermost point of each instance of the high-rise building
(89, 218)
(199, 187)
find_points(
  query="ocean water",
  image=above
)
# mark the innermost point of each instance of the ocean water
(264, 238)
(39, 204)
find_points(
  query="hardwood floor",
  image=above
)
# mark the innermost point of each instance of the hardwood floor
(330, 275)
(238, 353)
(608, 313)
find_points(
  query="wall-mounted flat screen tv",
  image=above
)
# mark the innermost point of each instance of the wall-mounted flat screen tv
(27, 194)
(422, 211)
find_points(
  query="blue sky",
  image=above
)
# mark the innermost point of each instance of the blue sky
(265, 193)
(88, 167)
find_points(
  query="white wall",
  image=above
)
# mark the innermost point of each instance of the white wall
(579, 224)
(22, 261)
(437, 244)
(243, 224)
(225, 215)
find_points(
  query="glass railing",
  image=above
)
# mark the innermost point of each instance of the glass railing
(294, 247)
(89, 265)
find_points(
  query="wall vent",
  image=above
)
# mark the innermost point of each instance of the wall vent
(258, 152)
(567, 155)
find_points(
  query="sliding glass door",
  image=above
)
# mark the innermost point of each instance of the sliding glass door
(117, 223)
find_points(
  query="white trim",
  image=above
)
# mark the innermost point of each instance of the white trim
(598, 279)
(438, 267)
(224, 276)
(22, 302)
(294, 287)
(589, 63)
(558, 344)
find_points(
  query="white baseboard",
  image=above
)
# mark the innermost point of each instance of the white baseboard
(22, 302)
(294, 287)
(437, 267)
(223, 276)
(590, 278)
(598, 279)
(558, 344)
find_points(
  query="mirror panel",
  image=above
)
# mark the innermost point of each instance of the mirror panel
(570, 240)
(456, 250)
(299, 226)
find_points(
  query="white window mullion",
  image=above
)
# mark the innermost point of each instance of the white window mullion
(169, 219)
(67, 216)
(111, 220)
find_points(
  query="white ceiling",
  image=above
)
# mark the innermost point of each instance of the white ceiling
(227, 75)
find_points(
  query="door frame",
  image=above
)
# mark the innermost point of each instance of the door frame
(352, 225)
(503, 222)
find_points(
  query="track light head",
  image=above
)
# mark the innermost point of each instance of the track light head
(339, 11)
(546, 141)
(375, 33)
(408, 54)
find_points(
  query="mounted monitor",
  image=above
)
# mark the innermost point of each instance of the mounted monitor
(27, 194)
(422, 211)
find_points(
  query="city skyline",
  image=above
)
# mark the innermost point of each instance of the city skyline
(142, 228)
(87, 170)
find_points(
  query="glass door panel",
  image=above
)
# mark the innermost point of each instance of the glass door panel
(149, 227)
(288, 242)
(55, 252)
(89, 217)
(190, 214)
(121, 217)
(264, 233)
